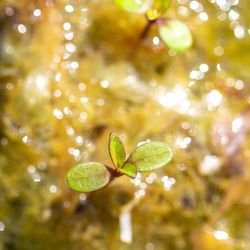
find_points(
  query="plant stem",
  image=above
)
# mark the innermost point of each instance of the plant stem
(158, 21)
(114, 173)
(147, 29)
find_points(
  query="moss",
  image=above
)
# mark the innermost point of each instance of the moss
(49, 111)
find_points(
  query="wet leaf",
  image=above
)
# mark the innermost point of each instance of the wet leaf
(158, 8)
(134, 6)
(150, 156)
(88, 177)
(116, 150)
(176, 35)
(129, 169)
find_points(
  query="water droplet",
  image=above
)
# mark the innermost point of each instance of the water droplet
(69, 8)
(2, 226)
(220, 235)
(21, 28)
(37, 12)
(53, 189)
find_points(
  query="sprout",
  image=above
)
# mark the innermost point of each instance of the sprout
(174, 33)
(92, 176)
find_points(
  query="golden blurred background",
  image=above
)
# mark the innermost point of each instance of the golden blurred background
(72, 71)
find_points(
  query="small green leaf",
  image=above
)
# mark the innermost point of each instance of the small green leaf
(176, 35)
(88, 177)
(116, 150)
(129, 169)
(135, 6)
(157, 9)
(150, 156)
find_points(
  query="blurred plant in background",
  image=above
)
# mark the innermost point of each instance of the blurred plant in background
(174, 33)
(72, 71)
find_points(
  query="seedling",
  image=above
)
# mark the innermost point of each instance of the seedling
(91, 176)
(174, 33)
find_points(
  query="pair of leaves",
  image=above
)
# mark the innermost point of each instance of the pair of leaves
(118, 155)
(148, 156)
(92, 176)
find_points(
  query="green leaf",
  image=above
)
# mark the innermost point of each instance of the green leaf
(158, 8)
(150, 156)
(88, 177)
(176, 35)
(116, 150)
(134, 6)
(129, 169)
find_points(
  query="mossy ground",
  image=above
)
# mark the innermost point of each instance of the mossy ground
(56, 111)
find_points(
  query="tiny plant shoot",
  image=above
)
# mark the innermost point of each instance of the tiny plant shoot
(91, 176)
(174, 33)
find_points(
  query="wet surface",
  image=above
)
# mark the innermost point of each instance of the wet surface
(73, 71)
